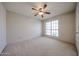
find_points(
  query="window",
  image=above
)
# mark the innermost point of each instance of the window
(48, 28)
(55, 28)
(51, 28)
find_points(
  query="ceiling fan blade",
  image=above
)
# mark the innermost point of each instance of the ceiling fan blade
(47, 12)
(36, 14)
(40, 9)
(34, 9)
(45, 5)
(42, 16)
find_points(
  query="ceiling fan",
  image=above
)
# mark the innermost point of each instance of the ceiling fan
(41, 11)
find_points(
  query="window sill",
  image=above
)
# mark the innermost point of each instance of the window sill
(53, 37)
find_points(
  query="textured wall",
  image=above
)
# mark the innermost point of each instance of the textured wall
(2, 27)
(77, 27)
(20, 27)
(66, 27)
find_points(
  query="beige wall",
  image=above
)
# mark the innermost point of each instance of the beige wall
(2, 27)
(77, 27)
(66, 26)
(20, 27)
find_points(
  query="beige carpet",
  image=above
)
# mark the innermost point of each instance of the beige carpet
(42, 46)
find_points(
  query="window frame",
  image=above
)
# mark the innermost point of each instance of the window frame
(54, 36)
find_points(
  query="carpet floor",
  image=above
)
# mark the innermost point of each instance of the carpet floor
(42, 46)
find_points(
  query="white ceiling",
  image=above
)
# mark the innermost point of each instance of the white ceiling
(25, 8)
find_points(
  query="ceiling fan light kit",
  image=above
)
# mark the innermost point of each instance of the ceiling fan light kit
(41, 11)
